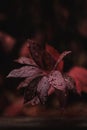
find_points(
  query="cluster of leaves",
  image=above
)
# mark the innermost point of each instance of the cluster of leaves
(38, 80)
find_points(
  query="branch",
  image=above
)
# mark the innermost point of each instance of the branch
(61, 57)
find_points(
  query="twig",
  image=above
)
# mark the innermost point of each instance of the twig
(61, 57)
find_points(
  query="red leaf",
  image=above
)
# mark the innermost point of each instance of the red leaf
(42, 89)
(41, 56)
(25, 71)
(27, 61)
(31, 90)
(70, 82)
(56, 80)
(34, 101)
(55, 54)
(79, 74)
(26, 82)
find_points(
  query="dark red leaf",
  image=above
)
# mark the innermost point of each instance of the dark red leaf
(41, 56)
(26, 61)
(56, 80)
(70, 82)
(79, 74)
(31, 90)
(24, 72)
(25, 82)
(42, 89)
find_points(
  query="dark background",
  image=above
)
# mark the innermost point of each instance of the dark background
(64, 21)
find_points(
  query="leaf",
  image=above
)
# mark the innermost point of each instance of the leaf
(55, 54)
(42, 58)
(48, 61)
(70, 83)
(36, 51)
(42, 89)
(26, 71)
(31, 90)
(25, 60)
(28, 80)
(34, 101)
(79, 74)
(56, 80)
(51, 90)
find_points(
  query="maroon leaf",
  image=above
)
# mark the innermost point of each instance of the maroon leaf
(70, 82)
(41, 57)
(79, 74)
(34, 101)
(42, 89)
(56, 80)
(31, 90)
(48, 61)
(26, 82)
(26, 71)
(27, 61)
